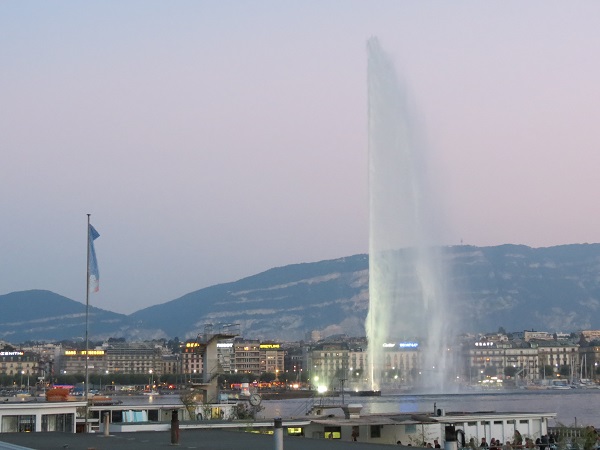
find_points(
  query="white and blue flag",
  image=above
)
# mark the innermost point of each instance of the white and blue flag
(92, 262)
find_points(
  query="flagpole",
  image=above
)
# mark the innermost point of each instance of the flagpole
(87, 308)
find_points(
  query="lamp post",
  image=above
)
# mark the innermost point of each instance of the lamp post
(21, 385)
(150, 380)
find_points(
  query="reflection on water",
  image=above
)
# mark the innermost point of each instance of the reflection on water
(575, 406)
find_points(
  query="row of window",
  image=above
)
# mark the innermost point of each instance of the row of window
(26, 423)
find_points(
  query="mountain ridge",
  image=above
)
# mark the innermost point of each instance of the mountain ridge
(514, 286)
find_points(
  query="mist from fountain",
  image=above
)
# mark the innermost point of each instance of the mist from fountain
(407, 292)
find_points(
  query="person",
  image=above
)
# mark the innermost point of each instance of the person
(436, 444)
(518, 440)
(508, 446)
(472, 444)
(544, 442)
(484, 443)
(355, 435)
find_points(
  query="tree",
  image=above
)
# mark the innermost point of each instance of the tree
(285, 377)
(267, 377)
(565, 370)
(189, 398)
(546, 370)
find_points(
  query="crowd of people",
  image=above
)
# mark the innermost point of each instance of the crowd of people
(590, 441)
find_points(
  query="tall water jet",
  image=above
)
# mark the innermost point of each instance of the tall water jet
(406, 293)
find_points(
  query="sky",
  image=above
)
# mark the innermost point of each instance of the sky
(213, 140)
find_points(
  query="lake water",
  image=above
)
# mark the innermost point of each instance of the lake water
(575, 406)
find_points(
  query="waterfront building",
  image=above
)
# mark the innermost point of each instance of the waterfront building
(133, 358)
(246, 356)
(329, 364)
(491, 359)
(19, 363)
(192, 363)
(589, 366)
(114, 357)
(73, 361)
(524, 360)
(170, 364)
(271, 358)
(561, 355)
(401, 361)
(294, 361)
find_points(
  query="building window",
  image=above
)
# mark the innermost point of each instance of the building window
(57, 422)
(333, 432)
(375, 431)
(18, 424)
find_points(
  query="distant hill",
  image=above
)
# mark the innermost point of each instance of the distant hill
(513, 286)
(44, 315)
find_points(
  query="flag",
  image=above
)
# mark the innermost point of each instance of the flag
(92, 262)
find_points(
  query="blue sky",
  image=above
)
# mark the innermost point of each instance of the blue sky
(214, 140)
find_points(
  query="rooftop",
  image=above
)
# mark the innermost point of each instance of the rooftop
(201, 439)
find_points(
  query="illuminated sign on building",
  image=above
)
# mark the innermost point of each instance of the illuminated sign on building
(408, 345)
(270, 346)
(224, 344)
(388, 345)
(192, 344)
(11, 353)
(484, 344)
(82, 352)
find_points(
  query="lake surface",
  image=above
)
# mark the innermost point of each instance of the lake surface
(575, 406)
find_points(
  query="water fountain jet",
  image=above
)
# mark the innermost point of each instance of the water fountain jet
(407, 292)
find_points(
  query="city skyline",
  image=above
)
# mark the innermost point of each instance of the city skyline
(210, 142)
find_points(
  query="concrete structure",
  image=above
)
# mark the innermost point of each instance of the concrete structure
(197, 438)
(417, 429)
(29, 417)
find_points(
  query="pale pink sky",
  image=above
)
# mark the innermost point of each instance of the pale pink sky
(213, 140)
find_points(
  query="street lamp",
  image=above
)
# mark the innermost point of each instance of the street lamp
(150, 380)
(22, 373)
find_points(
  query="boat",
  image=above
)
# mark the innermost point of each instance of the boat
(104, 400)
(366, 393)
